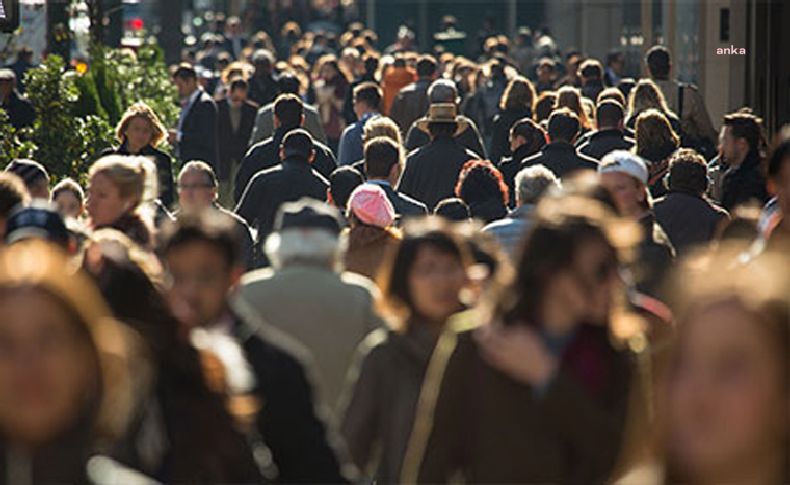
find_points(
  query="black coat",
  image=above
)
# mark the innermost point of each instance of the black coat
(404, 205)
(688, 219)
(510, 166)
(164, 169)
(199, 132)
(744, 183)
(432, 171)
(561, 158)
(469, 138)
(20, 110)
(601, 142)
(287, 182)
(233, 144)
(500, 132)
(655, 256)
(266, 154)
(263, 90)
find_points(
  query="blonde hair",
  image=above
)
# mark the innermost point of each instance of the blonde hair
(141, 110)
(383, 126)
(571, 98)
(644, 96)
(135, 177)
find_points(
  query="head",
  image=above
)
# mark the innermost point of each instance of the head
(7, 82)
(545, 105)
(591, 71)
(140, 127)
(297, 145)
(609, 115)
(69, 198)
(646, 95)
(12, 194)
(779, 173)
(533, 182)
(65, 363)
(546, 68)
(453, 209)
(185, 79)
(725, 395)
(518, 95)
(571, 98)
(237, 95)
(368, 205)
(741, 133)
(33, 174)
(367, 98)
(288, 83)
(613, 94)
(654, 134)
(383, 160)
(382, 126)
(117, 186)
(563, 126)
(201, 252)
(480, 181)
(443, 91)
(426, 67)
(528, 134)
(288, 112)
(658, 62)
(615, 60)
(197, 186)
(342, 183)
(625, 176)
(688, 172)
(263, 60)
(424, 279)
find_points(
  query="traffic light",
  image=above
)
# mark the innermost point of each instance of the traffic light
(9, 15)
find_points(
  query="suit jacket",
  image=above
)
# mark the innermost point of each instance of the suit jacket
(199, 132)
(264, 124)
(233, 144)
(410, 104)
(561, 158)
(469, 138)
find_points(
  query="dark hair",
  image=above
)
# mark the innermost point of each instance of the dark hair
(519, 94)
(591, 69)
(563, 125)
(381, 154)
(12, 193)
(479, 181)
(612, 56)
(532, 132)
(544, 105)
(209, 227)
(288, 109)
(658, 62)
(609, 113)
(185, 71)
(745, 125)
(453, 208)
(688, 172)
(288, 83)
(426, 66)
(779, 157)
(201, 167)
(31, 172)
(442, 128)
(369, 93)
(371, 63)
(238, 83)
(342, 183)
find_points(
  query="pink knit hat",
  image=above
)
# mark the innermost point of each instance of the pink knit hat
(369, 203)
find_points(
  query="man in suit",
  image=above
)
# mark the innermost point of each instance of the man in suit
(234, 41)
(412, 101)
(383, 167)
(195, 138)
(560, 156)
(236, 119)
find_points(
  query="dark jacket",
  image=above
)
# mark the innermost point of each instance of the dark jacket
(500, 132)
(469, 138)
(164, 169)
(20, 110)
(410, 104)
(233, 144)
(655, 257)
(135, 228)
(488, 210)
(688, 219)
(432, 171)
(744, 183)
(263, 90)
(199, 132)
(601, 142)
(404, 205)
(510, 166)
(489, 428)
(266, 154)
(287, 182)
(561, 158)
(288, 421)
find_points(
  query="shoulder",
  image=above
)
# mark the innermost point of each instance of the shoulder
(359, 284)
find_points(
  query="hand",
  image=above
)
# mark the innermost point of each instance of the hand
(517, 351)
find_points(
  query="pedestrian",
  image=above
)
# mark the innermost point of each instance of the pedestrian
(741, 178)
(12, 194)
(453, 209)
(33, 174)
(69, 198)
(689, 218)
(777, 228)
(516, 103)
(592, 74)
(342, 183)
(412, 101)
(236, 117)
(376, 127)
(195, 137)
(370, 66)
(646, 95)
(24, 62)
(261, 362)
(421, 290)
(615, 68)
(571, 98)
(526, 139)
(655, 144)
(383, 165)
(394, 78)
(546, 76)
(20, 111)
(263, 87)
(432, 170)
(544, 106)
(610, 133)
(559, 155)
(307, 251)
(531, 184)
(330, 84)
(140, 133)
(481, 187)
(367, 102)
(372, 237)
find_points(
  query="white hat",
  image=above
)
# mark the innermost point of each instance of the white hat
(625, 162)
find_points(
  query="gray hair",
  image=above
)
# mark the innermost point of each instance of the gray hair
(532, 182)
(306, 246)
(443, 91)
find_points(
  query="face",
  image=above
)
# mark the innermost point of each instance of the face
(68, 204)
(194, 191)
(200, 280)
(238, 97)
(139, 133)
(46, 368)
(104, 204)
(628, 195)
(185, 87)
(618, 64)
(727, 404)
(328, 71)
(731, 149)
(544, 73)
(436, 279)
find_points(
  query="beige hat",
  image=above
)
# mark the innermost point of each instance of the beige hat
(443, 113)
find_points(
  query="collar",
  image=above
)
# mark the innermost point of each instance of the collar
(193, 97)
(379, 182)
(559, 146)
(522, 212)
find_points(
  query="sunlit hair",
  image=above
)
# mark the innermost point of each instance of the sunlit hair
(241, 69)
(121, 372)
(571, 98)
(141, 110)
(306, 246)
(135, 177)
(68, 185)
(518, 94)
(384, 126)
(544, 105)
(479, 181)
(646, 95)
(653, 131)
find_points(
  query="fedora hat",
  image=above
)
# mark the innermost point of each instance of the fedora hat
(443, 113)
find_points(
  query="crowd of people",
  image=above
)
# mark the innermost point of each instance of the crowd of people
(348, 263)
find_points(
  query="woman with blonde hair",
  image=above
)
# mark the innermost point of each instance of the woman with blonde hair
(376, 127)
(571, 98)
(140, 132)
(517, 102)
(656, 141)
(644, 96)
(120, 191)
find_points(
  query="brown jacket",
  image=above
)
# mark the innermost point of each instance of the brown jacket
(368, 247)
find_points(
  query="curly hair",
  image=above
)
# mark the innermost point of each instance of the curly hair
(141, 110)
(655, 139)
(479, 180)
(518, 94)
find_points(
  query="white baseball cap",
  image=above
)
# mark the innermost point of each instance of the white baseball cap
(623, 161)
